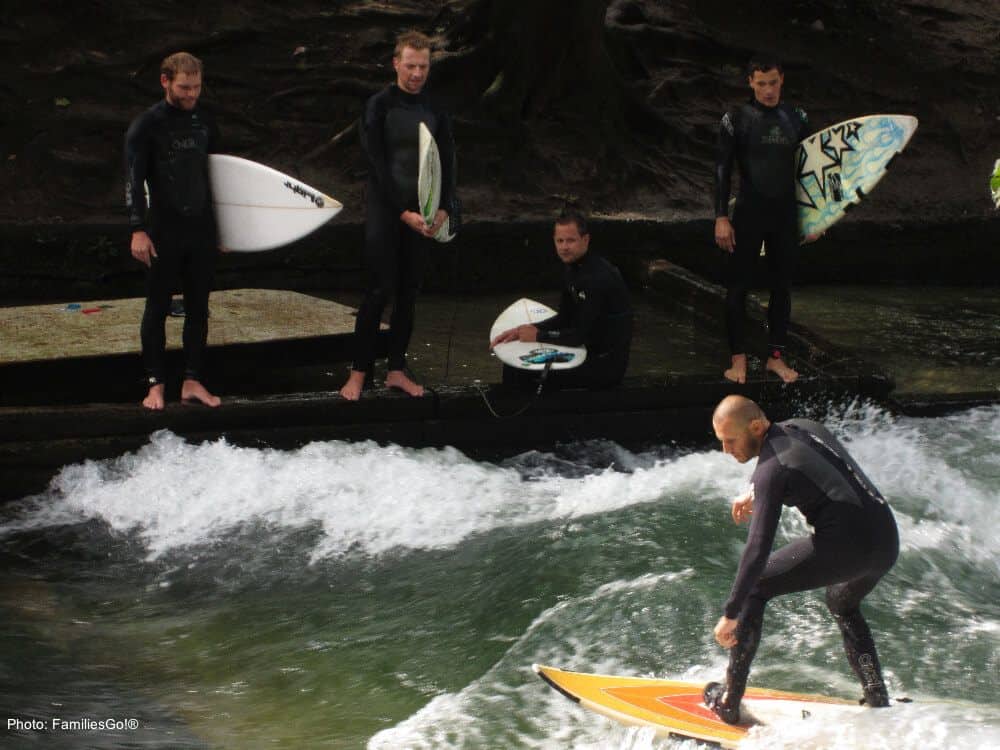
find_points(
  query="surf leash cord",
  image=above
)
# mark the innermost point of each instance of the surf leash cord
(523, 409)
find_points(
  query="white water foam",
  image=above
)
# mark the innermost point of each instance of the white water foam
(938, 474)
(366, 498)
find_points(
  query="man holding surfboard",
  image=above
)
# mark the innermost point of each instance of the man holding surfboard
(174, 236)
(594, 312)
(854, 542)
(395, 231)
(762, 137)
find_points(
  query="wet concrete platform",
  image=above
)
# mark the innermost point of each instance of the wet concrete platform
(98, 328)
(940, 343)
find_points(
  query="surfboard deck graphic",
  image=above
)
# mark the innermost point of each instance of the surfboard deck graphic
(836, 168)
(675, 708)
(429, 183)
(259, 208)
(532, 355)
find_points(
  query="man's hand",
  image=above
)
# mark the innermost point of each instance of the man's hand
(811, 237)
(439, 219)
(725, 632)
(521, 333)
(142, 247)
(725, 234)
(742, 507)
(415, 222)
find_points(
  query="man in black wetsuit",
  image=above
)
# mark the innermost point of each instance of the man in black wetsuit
(854, 541)
(167, 147)
(396, 235)
(594, 311)
(762, 136)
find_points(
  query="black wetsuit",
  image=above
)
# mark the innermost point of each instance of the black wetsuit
(167, 147)
(763, 141)
(854, 543)
(595, 312)
(394, 253)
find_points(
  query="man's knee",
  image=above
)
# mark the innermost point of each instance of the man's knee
(378, 295)
(843, 602)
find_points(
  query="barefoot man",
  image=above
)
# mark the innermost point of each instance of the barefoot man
(174, 236)
(761, 136)
(396, 235)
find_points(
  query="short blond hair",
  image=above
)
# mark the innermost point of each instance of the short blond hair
(180, 62)
(414, 40)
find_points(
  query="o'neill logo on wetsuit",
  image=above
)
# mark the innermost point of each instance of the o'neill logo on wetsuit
(299, 190)
(775, 137)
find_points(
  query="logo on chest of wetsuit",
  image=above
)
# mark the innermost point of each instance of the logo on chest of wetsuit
(775, 137)
(184, 144)
(299, 190)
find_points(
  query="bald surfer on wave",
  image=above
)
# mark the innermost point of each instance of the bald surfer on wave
(854, 542)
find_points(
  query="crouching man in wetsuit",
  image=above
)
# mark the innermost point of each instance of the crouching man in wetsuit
(594, 312)
(175, 236)
(396, 235)
(854, 542)
(762, 136)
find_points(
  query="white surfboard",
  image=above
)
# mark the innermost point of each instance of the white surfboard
(429, 183)
(532, 355)
(837, 167)
(259, 208)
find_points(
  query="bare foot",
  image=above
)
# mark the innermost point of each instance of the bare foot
(778, 367)
(351, 390)
(192, 390)
(738, 372)
(154, 399)
(398, 379)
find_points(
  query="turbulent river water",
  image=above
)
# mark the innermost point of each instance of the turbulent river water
(350, 595)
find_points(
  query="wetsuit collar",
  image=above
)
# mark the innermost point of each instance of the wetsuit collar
(407, 96)
(773, 430)
(173, 108)
(579, 262)
(763, 107)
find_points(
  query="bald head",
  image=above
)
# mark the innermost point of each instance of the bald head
(740, 425)
(739, 409)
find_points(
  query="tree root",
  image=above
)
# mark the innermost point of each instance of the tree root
(344, 136)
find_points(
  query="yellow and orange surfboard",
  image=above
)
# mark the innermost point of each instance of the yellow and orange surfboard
(675, 708)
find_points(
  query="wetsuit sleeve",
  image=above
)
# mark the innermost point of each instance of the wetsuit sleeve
(760, 539)
(548, 329)
(214, 137)
(137, 150)
(725, 155)
(446, 149)
(373, 141)
(578, 331)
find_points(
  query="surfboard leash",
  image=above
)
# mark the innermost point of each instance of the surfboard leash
(523, 409)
